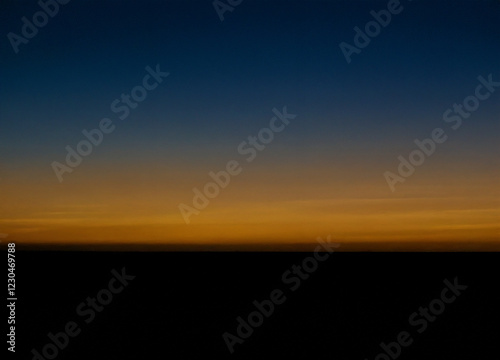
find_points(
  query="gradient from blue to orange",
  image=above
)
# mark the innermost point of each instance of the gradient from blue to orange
(322, 175)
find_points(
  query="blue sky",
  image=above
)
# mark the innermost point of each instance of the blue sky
(225, 77)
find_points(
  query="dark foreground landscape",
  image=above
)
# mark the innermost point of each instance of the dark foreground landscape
(338, 305)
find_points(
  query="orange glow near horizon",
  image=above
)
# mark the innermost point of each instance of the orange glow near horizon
(261, 206)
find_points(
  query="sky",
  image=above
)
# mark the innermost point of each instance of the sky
(322, 174)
